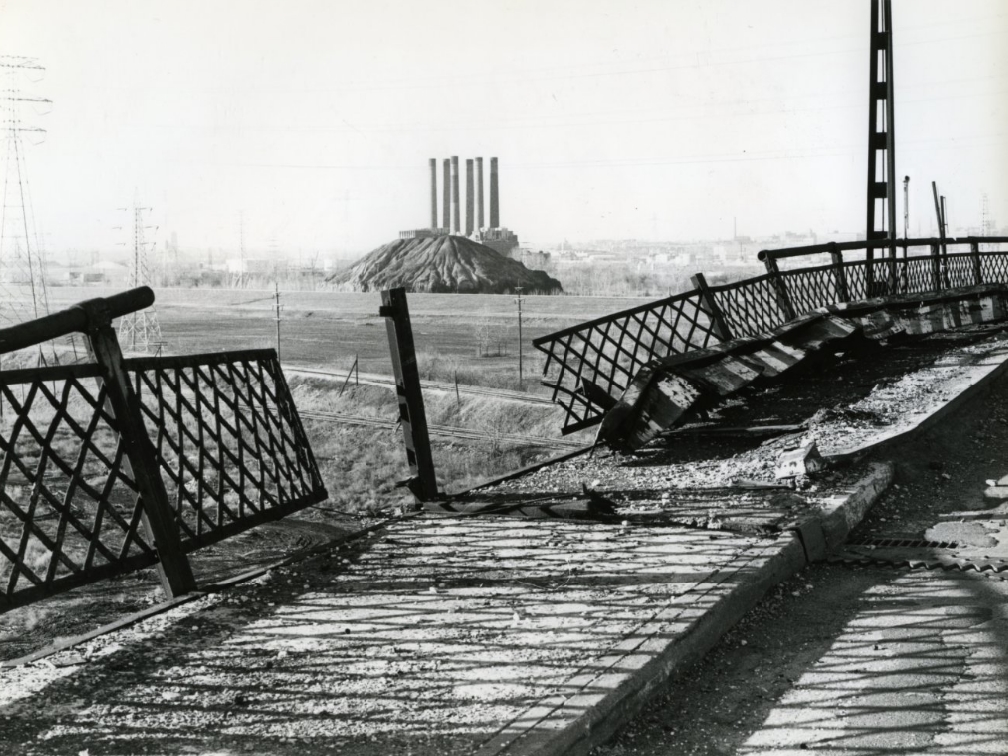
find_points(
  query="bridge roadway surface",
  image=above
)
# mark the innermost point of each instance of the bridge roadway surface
(492, 635)
(871, 660)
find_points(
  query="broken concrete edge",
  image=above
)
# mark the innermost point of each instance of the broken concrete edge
(823, 531)
(667, 391)
(977, 389)
(160, 608)
(602, 720)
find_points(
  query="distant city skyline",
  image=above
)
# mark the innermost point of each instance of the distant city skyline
(652, 120)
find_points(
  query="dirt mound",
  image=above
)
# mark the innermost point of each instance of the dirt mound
(442, 264)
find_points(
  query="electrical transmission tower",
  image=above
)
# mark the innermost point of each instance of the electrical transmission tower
(881, 195)
(139, 331)
(986, 222)
(23, 288)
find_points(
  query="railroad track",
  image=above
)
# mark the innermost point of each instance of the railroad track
(465, 434)
(374, 379)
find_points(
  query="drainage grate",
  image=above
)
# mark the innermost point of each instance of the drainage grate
(901, 543)
(931, 561)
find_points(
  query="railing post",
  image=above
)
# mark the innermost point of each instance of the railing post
(783, 301)
(903, 281)
(140, 456)
(869, 273)
(422, 482)
(892, 277)
(975, 257)
(936, 278)
(839, 273)
(707, 303)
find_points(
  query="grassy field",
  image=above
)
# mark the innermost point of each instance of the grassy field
(326, 330)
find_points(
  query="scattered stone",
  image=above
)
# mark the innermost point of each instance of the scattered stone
(800, 462)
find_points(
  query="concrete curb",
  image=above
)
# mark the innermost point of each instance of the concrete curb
(976, 389)
(665, 658)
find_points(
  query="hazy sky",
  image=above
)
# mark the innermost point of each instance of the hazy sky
(655, 119)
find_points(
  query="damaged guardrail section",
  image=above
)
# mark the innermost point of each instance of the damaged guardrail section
(120, 464)
(591, 365)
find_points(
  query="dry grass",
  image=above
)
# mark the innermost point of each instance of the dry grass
(360, 465)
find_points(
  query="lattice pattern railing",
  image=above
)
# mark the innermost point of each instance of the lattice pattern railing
(855, 276)
(115, 465)
(749, 307)
(811, 288)
(589, 365)
(593, 363)
(994, 267)
(959, 270)
(920, 274)
(230, 445)
(69, 508)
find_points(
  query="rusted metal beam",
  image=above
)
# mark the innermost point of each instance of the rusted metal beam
(816, 249)
(839, 272)
(422, 482)
(157, 517)
(710, 306)
(72, 320)
(975, 257)
(783, 301)
(936, 267)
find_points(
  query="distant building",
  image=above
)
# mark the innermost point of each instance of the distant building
(535, 260)
(423, 233)
(501, 240)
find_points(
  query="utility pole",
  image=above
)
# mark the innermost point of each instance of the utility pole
(276, 290)
(986, 224)
(906, 230)
(139, 330)
(518, 299)
(906, 210)
(940, 213)
(241, 249)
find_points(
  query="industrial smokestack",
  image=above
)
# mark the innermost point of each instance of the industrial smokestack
(494, 209)
(456, 226)
(433, 193)
(469, 197)
(479, 193)
(446, 195)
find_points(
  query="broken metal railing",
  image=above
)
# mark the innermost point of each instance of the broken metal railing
(120, 464)
(596, 360)
(589, 365)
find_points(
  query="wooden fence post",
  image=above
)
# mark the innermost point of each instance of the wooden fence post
(783, 301)
(422, 482)
(140, 456)
(710, 306)
(839, 273)
(975, 256)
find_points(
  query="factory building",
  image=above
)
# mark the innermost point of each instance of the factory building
(493, 235)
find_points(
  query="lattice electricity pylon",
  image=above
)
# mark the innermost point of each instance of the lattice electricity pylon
(986, 222)
(881, 138)
(139, 331)
(23, 281)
